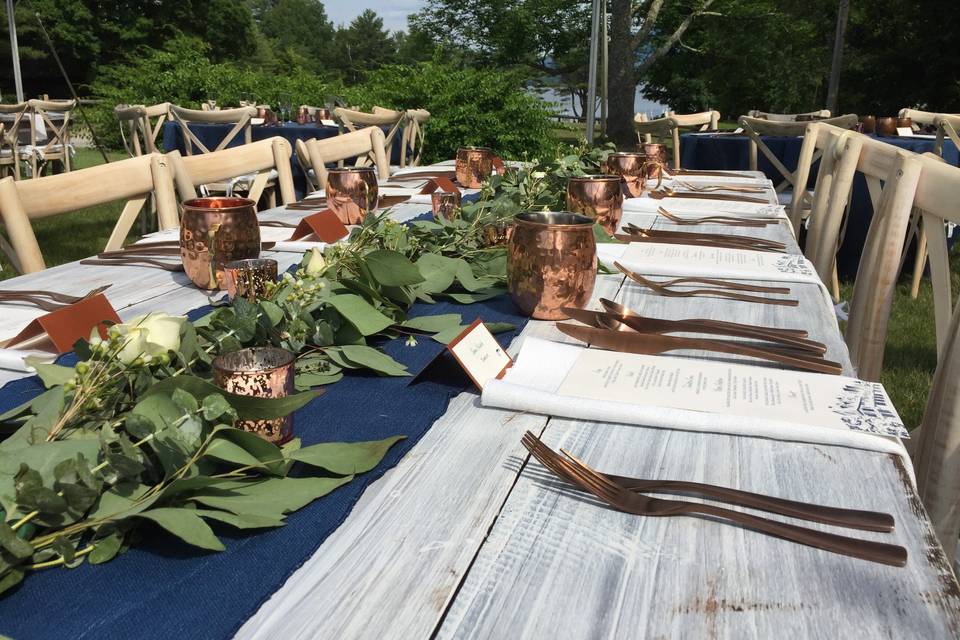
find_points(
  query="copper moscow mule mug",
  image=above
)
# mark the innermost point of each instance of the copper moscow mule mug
(261, 372)
(631, 166)
(321, 114)
(303, 115)
(656, 159)
(474, 165)
(213, 232)
(869, 123)
(551, 263)
(352, 193)
(598, 197)
(905, 123)
(887, 126)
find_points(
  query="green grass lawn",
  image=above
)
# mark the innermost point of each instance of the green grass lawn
(911, 346)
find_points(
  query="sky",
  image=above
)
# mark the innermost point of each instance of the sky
(393, 12)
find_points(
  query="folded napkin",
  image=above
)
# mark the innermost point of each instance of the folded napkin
(742, 181)
(297, 246)
(533, 383)
(699, 207)
(13, 359)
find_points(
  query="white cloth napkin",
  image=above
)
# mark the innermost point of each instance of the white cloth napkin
(696, 208)
(748, 181)
(13, 359)
(298, 246)
(531, 384)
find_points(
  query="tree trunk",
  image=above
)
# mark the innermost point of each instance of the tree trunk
(623, 78)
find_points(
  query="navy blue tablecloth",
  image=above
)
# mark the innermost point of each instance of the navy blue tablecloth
(699, 151)
(162, 589)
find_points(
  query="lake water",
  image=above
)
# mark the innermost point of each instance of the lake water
(563, 106)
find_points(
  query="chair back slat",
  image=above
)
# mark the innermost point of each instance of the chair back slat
(240, 117)
(669, 127)
(367, 143)
(354, 120)
(788, 117)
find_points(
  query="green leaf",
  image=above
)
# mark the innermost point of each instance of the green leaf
(432, 324)
(309, 380)
(64, 548)
(245, 448)
(392, 269)
(271, 496)
(105, 549)
(214, 406)
(10, 579)
(360, 313)
(476, 296)
(139, 425)
(272, 312)
(20, 549)
(438, 272)
(601, 236)
(226, 451)
(445, 336)
(499, 327)
(241, 520)
(51, 374)
(186, 525)
(345, 458)
(247, 407)
(185, 401)
(371, 358)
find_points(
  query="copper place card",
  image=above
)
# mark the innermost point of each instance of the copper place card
(479, 353)
(442, 183)
(67, 325)
(498, 165)
(325, 225)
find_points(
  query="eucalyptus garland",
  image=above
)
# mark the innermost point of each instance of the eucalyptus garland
(136, 432)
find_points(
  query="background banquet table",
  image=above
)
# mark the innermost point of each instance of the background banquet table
(211, 135)
(468, 538)
(726, 151)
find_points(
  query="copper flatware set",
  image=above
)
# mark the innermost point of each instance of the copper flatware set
(46, 300)
(626, 494)
(724, 291)
(733, 221)
(727, 241)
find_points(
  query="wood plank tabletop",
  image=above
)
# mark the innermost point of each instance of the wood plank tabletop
(467, 537)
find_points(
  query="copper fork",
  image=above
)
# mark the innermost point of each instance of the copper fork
(706, 188)
(622, 499)
(664, 192)
(850, 518)
(691, 293)
(732, 221)
(716, 282)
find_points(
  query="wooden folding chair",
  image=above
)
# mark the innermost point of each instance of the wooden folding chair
(239, 118)
(260, 162)
(789, 117)
(353, 120)
(935, 446)
(792, 190)
(11, 115)
(946, 125)
(413, 137)
(49, 135)
(134, 180)
(668, 127)
(315, 154)
(140, 126)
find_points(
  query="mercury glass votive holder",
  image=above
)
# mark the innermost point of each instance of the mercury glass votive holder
(260, 372)
(249, 278)
(446, 204)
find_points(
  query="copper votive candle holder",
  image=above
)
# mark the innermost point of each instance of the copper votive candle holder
(445, 204)
(352, 193)
(474, 165)
(249, 279)
(551, 263)
(656, 159)
(599, 197)
(260, 372)
(631, 166)
(497, 233)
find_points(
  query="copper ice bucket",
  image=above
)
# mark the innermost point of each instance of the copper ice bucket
(352, 193)
(474, 166)
(631, 166)
(598, 197)
(213, 232)
(551, 263)
(261, 372)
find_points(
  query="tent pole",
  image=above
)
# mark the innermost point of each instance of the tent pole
(592, 71)
(14, 51)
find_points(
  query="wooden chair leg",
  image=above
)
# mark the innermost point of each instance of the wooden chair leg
(835, 283)
(920, 262)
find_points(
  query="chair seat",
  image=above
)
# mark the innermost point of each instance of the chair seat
(54, 150)
(786, 197)
(240, 183)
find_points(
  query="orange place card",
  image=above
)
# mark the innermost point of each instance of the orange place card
(325, 225)
(479, 353)
(440, 182)
(67, 325)
(498, 165)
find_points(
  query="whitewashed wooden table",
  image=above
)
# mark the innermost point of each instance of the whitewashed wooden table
(467, 537)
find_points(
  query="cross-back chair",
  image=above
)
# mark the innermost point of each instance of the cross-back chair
(140, 126)
(935, 446)
(49, 135)
(315, 154)
(791, 190)
(946, 125)
(11, 115)
(354, 120)
(789, 117)
(414, 136)
(240, 119)
(133, 180)
(259, 162)
(668, 127)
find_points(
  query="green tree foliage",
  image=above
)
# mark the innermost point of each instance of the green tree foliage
(363, 46)
(299, 32)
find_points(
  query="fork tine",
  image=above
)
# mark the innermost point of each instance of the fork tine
(562, 468)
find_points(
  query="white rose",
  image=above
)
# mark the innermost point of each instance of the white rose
(152, 334)
(316, 264)
(539, 175)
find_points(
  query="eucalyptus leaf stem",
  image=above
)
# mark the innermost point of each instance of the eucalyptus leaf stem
(61, 559)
